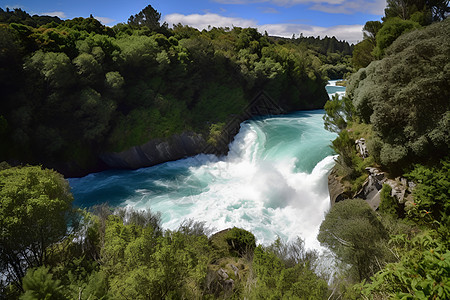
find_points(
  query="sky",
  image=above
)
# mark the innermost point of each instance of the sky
(343, 19)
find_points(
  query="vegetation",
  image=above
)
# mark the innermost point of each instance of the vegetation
(353, 233)
(126, 254)
(399, 104)
(36, 206)
(74, 89)
(400, 17)
(390, 94)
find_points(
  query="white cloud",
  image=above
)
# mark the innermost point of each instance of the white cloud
(351, 7)
(349, 33)
(375, 7)
(105, 20)
(203, 21)
(59, 14)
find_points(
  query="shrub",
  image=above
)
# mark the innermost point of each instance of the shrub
(241, 241)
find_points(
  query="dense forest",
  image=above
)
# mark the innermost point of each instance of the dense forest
(398, 100)
(74, 89)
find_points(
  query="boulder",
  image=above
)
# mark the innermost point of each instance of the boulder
(362, 148)
(370, 190)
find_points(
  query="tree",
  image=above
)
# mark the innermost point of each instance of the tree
(440, 9)
(402, 9)
(39, 284)
(362, 54)
(338, 112)
(88, 69)
(147, 17)
(370, 30)
(390, 31)
(437, 10)
(353, 233)
(34, 212)
(55, 68)
(405, 97)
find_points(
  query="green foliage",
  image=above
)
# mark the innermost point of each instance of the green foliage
(143, 262)
(423, 271)
(287, 277)
(215, 133)
(353, 233)
(390, 95)
(17, 15)
(338, 112)
(390, 31)
(432, 194)
(389, 204)
(240, 241)
(34, 212)
(349, 164)
(362, 55)
(55, 68)
(39, 284)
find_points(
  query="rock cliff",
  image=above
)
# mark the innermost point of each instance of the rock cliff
(156, 151)
(189, 143)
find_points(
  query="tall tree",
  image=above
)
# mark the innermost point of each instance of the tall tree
(404, 9)
(147, 17)
(370, 30)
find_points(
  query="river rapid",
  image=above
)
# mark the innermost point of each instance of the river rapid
(273, 182)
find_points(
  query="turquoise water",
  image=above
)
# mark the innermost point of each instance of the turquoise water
(273, 182)
(332, 88)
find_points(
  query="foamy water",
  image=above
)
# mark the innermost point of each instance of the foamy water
(273, 182)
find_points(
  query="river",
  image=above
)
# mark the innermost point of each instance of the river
(273, 182)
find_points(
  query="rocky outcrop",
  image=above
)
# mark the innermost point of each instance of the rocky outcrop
(371, 188)
(370, 191)
(335, 187)
(362, 148)
(156, 151)
(222, 282)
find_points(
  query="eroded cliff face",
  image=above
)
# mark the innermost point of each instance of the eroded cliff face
(335, 187)
(187, 144)
(156, 151)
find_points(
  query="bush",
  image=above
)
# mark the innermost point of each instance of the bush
(432, 193)
(352, 231)
(241, 241)
(389, 205)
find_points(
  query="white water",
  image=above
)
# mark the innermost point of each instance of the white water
(272, 183)
(335, 89)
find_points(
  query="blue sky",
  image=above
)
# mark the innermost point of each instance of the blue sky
(341, 18)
